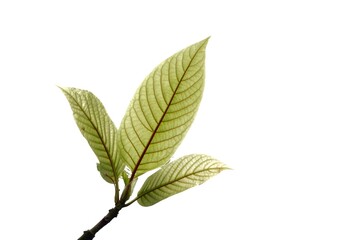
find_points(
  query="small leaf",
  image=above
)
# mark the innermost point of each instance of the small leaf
(177, 176)
(98, 129)
(162, 110)
(127, 192)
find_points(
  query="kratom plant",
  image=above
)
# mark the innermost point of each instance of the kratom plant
(154, 125)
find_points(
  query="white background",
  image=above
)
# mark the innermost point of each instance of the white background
(280, 107)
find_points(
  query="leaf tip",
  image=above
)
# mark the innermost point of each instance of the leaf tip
(205, 41)
(227, 168)
(63, 89)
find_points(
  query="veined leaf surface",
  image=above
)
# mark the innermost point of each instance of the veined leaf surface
(98, 129)
(162, 110)
(177, 176)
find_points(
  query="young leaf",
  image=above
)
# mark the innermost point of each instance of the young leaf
(177, 176)
(162, 110)
(98, 129)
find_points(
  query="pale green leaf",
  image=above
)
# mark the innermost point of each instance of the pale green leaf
(162, 110)
(177, 176)
(98, 129)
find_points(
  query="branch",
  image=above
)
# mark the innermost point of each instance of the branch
(90, 234)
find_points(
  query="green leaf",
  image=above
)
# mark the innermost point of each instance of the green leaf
(177, 176)
(98, 129)
(162, 110)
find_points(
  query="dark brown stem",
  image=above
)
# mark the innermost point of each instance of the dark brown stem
(90, 234)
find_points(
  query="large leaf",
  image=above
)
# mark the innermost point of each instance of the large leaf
(162, 110)
(98, 129)
(177, 176)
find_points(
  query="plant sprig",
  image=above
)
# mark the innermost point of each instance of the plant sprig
(156, 121)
